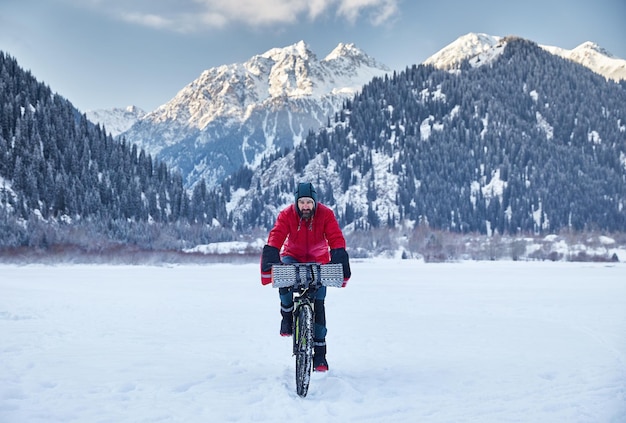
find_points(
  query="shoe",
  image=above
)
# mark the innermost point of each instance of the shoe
(286, 328)
(286, 325)
(319, 363)
(319, 357)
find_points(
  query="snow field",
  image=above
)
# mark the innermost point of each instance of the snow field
(408, 341)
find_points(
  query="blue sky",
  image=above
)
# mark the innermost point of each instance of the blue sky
(115, 53)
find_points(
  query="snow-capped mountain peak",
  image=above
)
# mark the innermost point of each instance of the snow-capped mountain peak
(238, 113)
(482, 48)
(343, 50)
(350, 52)
(595, 58)
(466, 46)
(299, 49)
(588, 45)
(290, 72)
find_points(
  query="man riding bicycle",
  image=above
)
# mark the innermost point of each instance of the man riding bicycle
(306, 231)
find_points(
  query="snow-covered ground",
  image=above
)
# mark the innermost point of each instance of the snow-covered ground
(408, 342)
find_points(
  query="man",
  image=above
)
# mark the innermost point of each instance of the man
(306, 231)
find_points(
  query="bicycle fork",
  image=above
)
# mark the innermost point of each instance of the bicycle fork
(299, 332)
(303, 323)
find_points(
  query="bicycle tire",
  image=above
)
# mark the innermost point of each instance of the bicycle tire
(303, 348)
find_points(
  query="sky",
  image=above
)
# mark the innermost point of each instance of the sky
(101, 54)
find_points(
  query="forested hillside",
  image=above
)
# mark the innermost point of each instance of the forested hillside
(58, 170)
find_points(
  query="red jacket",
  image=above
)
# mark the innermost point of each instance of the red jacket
(305, 240)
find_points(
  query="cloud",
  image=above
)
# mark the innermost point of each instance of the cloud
(198, 15)
(380, 11)
(178, 22)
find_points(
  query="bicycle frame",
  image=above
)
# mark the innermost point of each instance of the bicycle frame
(305, 279)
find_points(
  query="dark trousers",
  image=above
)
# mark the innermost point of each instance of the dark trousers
(286, 303)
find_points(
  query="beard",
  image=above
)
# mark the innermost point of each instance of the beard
(306, 214)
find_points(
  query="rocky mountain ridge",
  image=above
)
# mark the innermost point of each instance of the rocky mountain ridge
(235, 115)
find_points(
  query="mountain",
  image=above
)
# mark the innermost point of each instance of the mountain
(237, 114)
(480, 48)
(116, 120)
(532, 143)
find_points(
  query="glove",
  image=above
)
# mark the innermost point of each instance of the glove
(269, 257)
(340, 255)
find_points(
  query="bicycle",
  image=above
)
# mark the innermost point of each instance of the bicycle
(305, 279)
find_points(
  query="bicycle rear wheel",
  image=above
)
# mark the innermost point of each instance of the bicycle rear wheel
(303, 347)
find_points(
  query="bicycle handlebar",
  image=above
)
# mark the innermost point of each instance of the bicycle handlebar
(303, 275)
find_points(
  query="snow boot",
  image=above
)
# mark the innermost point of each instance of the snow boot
(286, 324)
(319, 356)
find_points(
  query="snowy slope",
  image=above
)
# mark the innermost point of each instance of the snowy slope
(408, 342)
(116, 120)
(595, 58)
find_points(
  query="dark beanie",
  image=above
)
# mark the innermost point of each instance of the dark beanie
(305, 189)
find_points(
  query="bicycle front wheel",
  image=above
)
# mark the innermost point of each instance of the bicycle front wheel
(303, 337)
